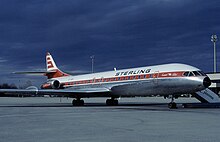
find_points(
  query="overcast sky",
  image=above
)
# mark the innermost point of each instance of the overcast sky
(120, 33)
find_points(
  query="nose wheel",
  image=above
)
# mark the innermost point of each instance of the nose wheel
(172, 104)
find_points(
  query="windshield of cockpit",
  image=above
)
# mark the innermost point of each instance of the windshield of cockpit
(194, 73)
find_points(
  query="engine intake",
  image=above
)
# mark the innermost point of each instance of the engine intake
(51, 84)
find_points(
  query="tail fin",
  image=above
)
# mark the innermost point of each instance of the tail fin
(53, 71)
(51, 66)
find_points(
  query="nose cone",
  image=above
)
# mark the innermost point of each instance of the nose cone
(206, 82)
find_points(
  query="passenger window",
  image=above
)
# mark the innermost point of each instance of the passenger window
(186, 73)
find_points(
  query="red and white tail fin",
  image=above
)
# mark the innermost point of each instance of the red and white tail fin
(51, 65)
(52, 70)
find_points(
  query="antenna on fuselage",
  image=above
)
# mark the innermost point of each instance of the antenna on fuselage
(92, 59)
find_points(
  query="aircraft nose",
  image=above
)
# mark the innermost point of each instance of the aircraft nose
(206, 82)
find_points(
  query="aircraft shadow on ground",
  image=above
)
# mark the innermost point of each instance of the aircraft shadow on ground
(86, 105)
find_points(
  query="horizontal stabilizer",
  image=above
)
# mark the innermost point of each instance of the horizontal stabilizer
(34, 72)
(207, 96)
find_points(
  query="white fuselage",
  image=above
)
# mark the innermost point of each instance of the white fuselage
(167, 79)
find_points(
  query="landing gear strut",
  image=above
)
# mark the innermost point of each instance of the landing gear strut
(112, 102)
(172, 104)
(78, 102)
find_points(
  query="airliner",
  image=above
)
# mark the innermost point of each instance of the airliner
(168, 79)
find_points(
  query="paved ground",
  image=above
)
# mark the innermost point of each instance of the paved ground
(136, 119)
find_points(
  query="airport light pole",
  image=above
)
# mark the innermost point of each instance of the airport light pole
(92, 58)
(214, 39)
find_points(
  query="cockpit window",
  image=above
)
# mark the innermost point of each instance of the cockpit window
(202, 73)
(186, 73)
(196, 73)
(191, 74)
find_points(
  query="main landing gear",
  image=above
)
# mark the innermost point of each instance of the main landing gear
(112, 102)
(78, 102)
(172, 104)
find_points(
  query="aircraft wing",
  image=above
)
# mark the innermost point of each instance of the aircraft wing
(69, 92)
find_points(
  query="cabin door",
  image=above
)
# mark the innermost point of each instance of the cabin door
(155, 77)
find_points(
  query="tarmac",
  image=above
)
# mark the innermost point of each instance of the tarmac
(134, 120)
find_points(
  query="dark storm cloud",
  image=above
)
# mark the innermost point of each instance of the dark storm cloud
(120, 34)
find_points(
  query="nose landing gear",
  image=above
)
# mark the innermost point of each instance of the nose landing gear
(172, 104)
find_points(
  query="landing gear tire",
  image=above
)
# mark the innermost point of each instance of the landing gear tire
(172, 105)
(78, 102)
(111, 102)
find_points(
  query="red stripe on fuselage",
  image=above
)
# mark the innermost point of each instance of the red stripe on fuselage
(126, 78)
